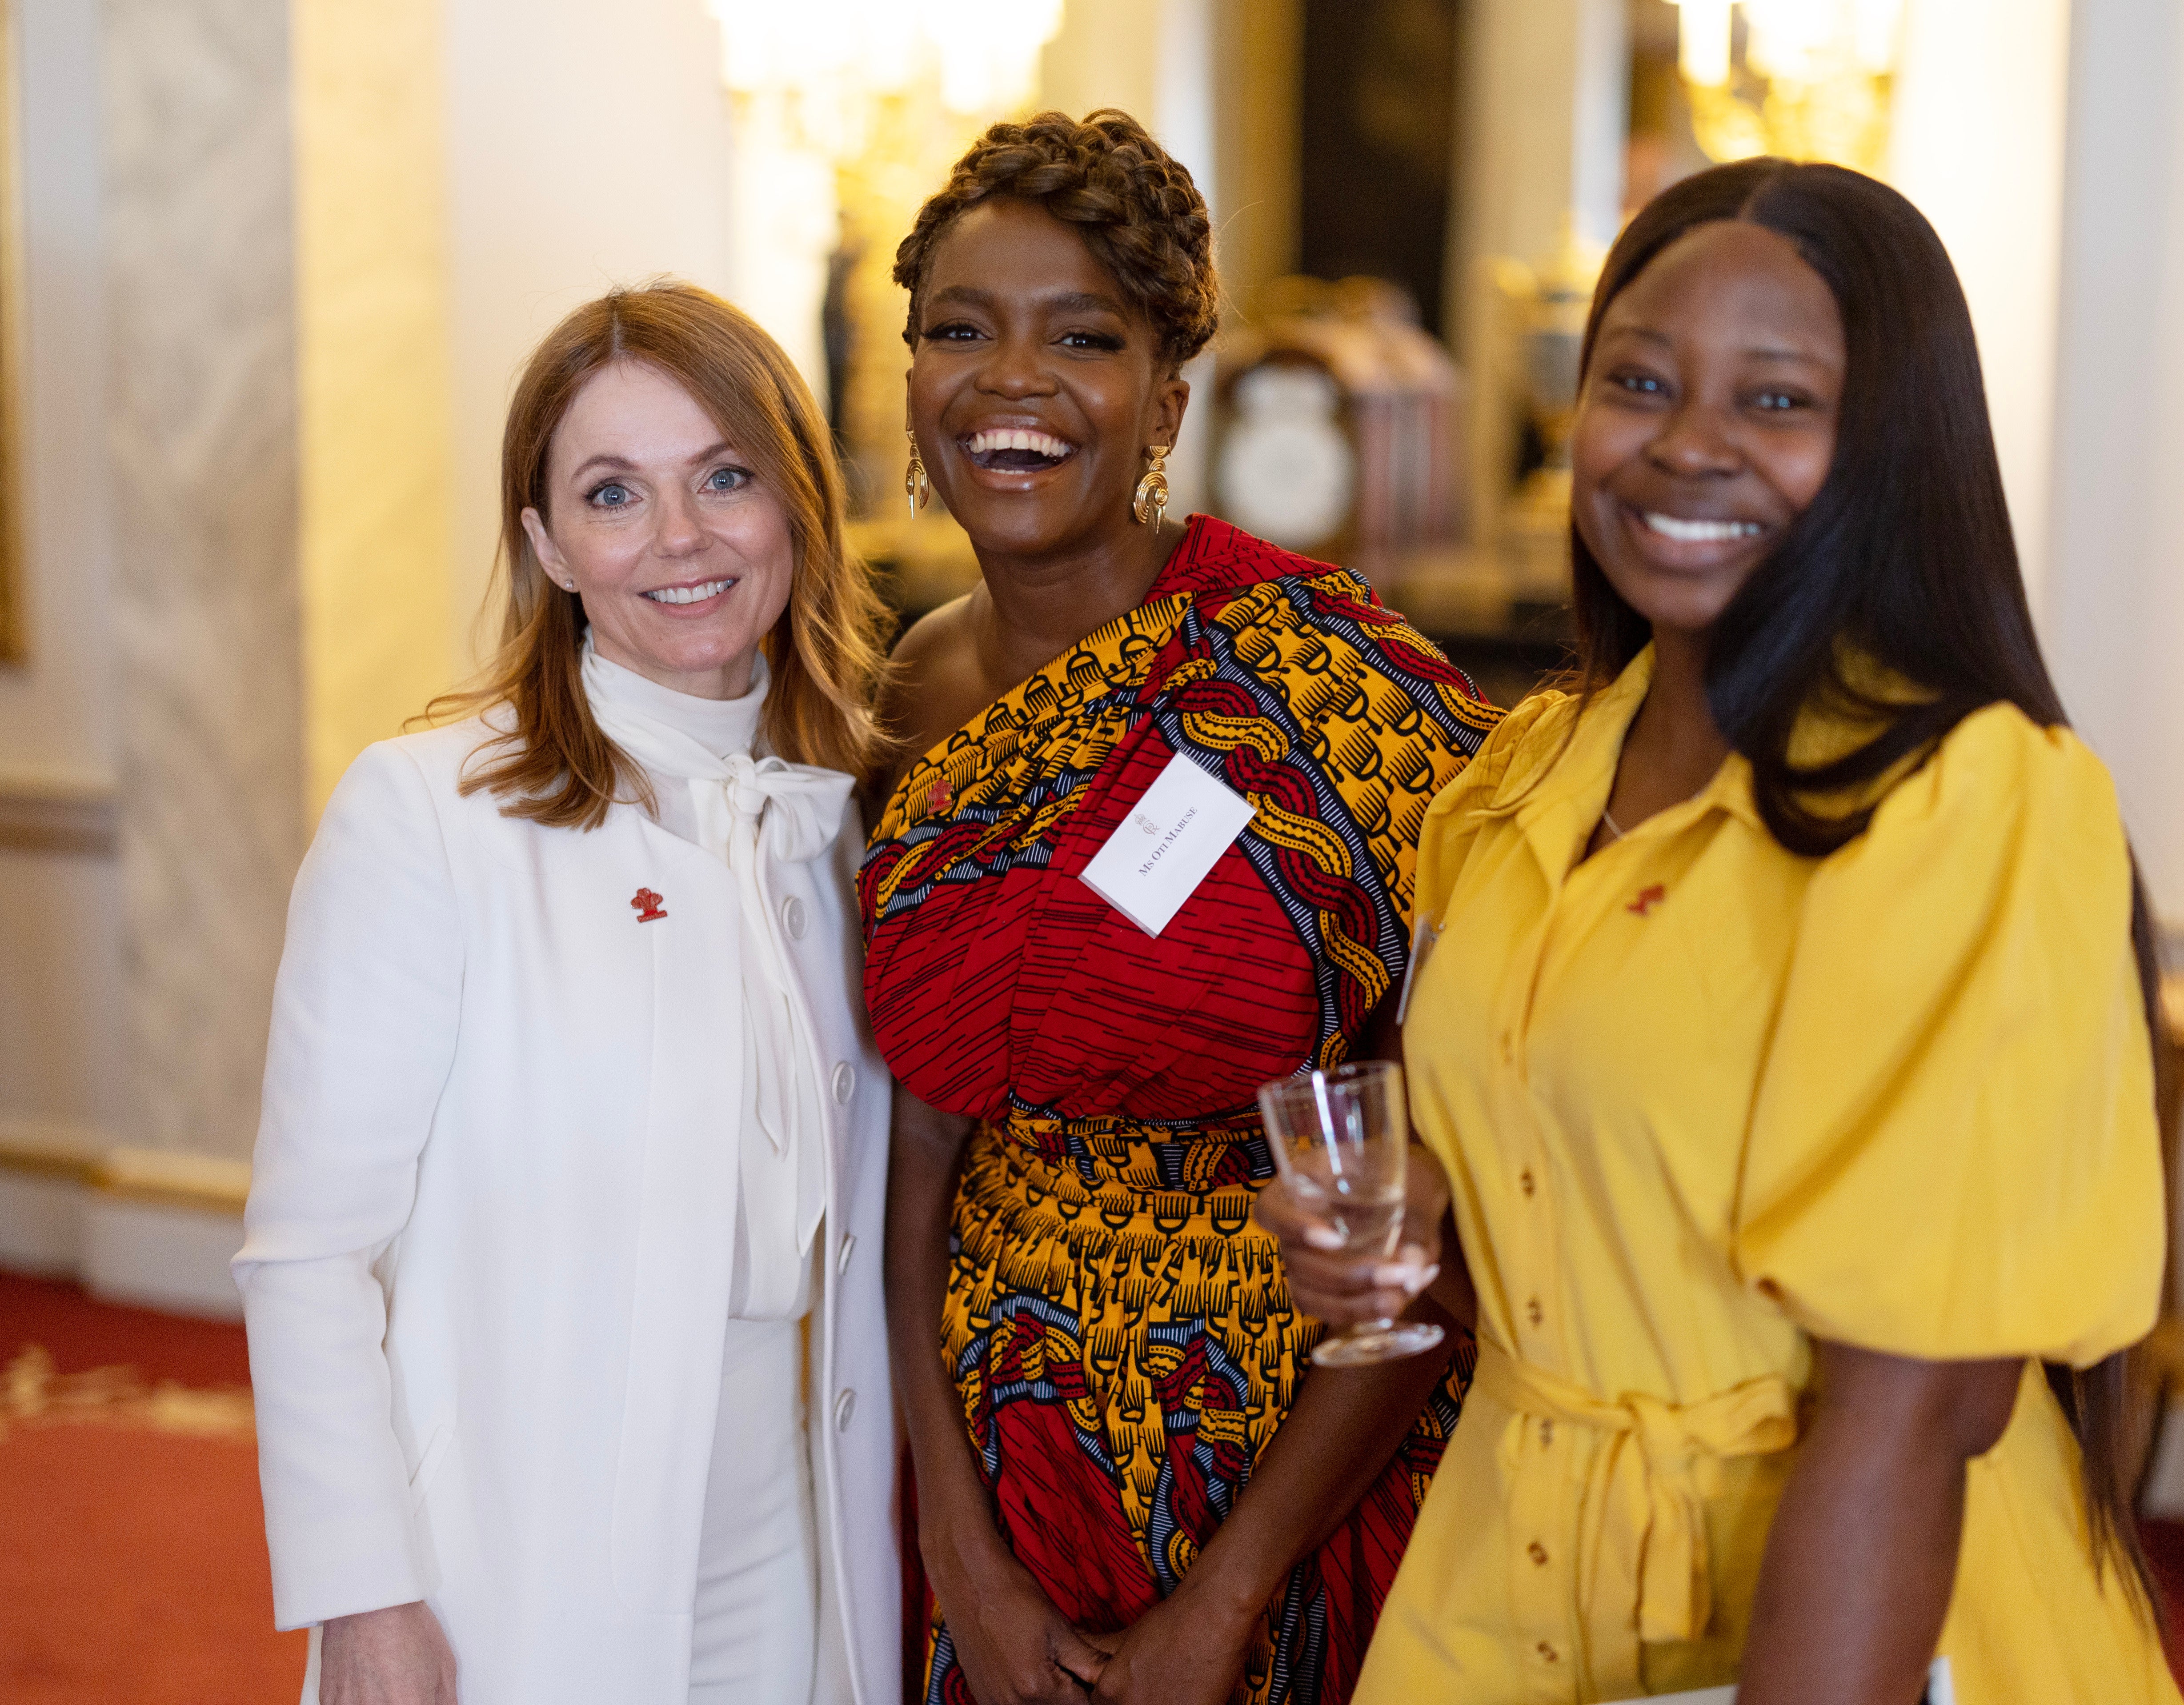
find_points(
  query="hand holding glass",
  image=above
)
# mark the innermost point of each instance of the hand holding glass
(1341, 1140)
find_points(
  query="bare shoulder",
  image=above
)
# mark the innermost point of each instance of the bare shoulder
(932, 639)
(936, 686)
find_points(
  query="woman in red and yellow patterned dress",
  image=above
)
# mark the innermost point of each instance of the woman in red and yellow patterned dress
(1127, 1488)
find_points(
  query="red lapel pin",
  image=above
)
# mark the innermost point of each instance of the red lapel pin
(647, 903)
(1648, 897)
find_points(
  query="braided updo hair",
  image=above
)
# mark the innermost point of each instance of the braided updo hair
(1133, 202)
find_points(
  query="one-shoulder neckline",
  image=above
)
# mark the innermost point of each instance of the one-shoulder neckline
(1214, 555)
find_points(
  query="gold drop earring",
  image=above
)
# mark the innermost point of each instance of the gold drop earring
(1150, 504)
(916, 483)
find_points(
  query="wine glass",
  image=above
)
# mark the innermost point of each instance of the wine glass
(1341, 1138)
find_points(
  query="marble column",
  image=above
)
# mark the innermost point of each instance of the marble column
(202, 428)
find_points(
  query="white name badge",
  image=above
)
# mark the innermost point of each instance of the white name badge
(1170, 839)
(1941, 1690)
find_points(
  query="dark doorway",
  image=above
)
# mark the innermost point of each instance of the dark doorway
(1378, 124)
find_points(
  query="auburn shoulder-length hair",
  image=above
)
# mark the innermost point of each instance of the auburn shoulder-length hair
(549, 761)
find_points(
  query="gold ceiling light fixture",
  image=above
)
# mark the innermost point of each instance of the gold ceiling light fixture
(832, 58)
(1809, 80)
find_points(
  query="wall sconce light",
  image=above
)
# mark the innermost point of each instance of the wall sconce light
(1806, 79)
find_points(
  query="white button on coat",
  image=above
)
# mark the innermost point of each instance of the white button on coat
(794, 918)
(842, 1261)
(845, 1082)
(846, 1405)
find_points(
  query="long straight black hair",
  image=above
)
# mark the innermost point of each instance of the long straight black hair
(1905, 560)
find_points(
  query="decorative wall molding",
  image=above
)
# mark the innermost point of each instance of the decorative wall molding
(29, 1141)
(38, 815)
(208, 1183)
(141, 1226)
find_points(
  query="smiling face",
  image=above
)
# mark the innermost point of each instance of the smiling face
(681, 557)
(1706, 425)
(1037, 386)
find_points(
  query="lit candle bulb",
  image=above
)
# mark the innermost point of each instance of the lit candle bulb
(1702, 42)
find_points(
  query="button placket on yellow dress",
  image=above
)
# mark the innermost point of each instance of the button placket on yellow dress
(1608, 1472)
(1543, 1570)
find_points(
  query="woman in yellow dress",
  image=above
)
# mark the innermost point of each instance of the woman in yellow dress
(1792, 1081)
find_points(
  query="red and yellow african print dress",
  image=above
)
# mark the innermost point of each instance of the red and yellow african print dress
(1120, 1332)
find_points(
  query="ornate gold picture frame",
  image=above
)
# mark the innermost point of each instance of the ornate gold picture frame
(14, 618)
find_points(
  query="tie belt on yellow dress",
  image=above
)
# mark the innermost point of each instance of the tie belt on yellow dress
(1643, 1488)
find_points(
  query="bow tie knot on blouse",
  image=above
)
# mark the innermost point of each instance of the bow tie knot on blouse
(755, 814)
(797, 808)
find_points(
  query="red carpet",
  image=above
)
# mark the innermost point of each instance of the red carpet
(132, 1556)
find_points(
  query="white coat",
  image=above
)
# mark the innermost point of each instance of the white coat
(487, 1250)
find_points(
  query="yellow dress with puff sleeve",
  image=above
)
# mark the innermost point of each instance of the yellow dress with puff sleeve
(1702, 1100)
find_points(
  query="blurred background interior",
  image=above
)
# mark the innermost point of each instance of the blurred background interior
(267, 268)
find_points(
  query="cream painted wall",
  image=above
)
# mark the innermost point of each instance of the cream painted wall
(377, 485)
(1107, 54)
(1547, 93)
(60, 913)
(1154, 59)
(61, 991)
(1258, 94)
(2046, 143)
(1978, 143)
(787, 224)
(57, 709)
(2114, 597)
(587, 147)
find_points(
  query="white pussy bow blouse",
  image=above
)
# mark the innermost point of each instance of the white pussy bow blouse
(753, 813)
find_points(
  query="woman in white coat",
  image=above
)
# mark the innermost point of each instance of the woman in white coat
(562, 1262)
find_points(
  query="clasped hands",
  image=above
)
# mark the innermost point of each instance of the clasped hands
(1017, 1648)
